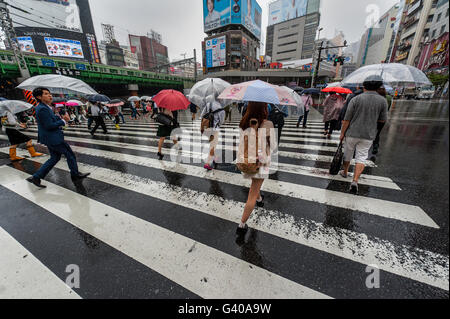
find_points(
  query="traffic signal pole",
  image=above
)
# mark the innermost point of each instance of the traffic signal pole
(316, 71)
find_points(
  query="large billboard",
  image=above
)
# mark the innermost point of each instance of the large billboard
(219, 13)
(64, 48)
(284, 10)
(216, 52)
(55, 14)
(26, 44)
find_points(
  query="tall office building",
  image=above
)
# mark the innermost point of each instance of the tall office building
(417, 22)
(434, 55)
(377, 40)
(233, 29)
(292, 30)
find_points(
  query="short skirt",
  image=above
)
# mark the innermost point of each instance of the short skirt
(164, 131)
(15, 137)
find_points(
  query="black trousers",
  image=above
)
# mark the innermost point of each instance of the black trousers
(99, 122)
(330, 126)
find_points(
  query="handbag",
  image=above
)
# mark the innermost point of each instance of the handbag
(336, 164)
(163, 119)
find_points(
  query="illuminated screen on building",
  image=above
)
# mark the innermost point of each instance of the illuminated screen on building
(219, 13)
(284, 10)
(64, 48)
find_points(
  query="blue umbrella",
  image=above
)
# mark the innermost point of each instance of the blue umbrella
(311, 91)
(3, 99)
(98, 98)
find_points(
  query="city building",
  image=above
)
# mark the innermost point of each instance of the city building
(111, 53)
(417, 21)
(376, 41)
(151, 53)
(62, 29)
(131, 59)
(292, 39)
(291, 35)
(236, 50)
(233, 39)
(434, 54)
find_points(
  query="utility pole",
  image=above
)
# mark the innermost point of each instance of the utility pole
(316, 70)
(195, 65)
(11, 38)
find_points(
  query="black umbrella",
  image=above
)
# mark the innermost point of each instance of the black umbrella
(98, 98)
(311, 91)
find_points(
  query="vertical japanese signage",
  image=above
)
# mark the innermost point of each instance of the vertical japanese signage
(216, 52)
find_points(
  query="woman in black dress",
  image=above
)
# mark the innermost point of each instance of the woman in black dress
(15, 137)
(165, 131)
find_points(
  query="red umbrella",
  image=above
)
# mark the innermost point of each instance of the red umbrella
(172, 100)
(337, 90)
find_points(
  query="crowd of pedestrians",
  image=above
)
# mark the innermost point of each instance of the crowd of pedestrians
(360, 117)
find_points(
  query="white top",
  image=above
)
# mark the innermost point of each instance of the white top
(219, 117)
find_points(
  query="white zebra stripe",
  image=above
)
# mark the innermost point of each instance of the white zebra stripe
(23, 276)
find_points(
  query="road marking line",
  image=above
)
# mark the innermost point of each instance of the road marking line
(23, 276)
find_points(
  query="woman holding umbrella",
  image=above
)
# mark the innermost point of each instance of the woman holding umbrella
(254, 155)
(169, 102)
(333, 106)
(15, 137)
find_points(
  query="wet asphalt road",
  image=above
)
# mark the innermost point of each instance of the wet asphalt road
(311, 240)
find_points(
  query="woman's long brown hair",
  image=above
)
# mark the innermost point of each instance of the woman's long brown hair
(255, 110)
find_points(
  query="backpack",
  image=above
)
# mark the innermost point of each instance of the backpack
(276, 117)
(208, 119)
(250, 164)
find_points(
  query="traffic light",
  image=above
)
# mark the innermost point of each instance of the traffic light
(336, 61)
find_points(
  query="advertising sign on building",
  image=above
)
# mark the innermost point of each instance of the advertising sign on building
(26, 44)
(284, 10)
(219, 13)
(216, 52)
(64, 48)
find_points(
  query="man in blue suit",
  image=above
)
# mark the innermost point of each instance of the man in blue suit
(50, 134)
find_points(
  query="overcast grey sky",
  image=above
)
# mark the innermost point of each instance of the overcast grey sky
(181, 25)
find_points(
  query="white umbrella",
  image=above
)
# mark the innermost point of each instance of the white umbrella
(57, 84)
(298, 99)
(13, 106)
(207, 90)
(146, 98)
(134, 98)
(334, 84)
(394, 74)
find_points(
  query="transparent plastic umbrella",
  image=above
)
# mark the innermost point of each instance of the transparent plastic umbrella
(134, 99)
(57, 84)
(393, 74)
(298, 99)
(205, 91)
(13, 106)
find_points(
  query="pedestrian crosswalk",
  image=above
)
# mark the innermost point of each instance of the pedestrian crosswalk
(169, 226)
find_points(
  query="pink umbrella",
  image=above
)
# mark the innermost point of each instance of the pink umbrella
(258, 91)
(71, 104)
